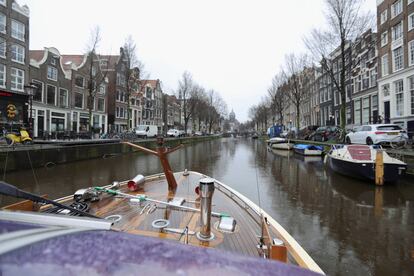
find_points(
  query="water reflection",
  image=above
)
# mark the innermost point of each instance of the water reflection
(348, 226)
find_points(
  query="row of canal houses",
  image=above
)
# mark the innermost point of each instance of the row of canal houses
(60, 100)
(380, 81)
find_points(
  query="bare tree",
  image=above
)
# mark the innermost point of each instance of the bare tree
(346, 21)
(96, 77)
(296, 74)
(279, 99)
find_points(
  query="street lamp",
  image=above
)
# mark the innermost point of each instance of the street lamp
(30, 90)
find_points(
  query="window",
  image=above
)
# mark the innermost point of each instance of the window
(79, 81)
(384, 16)
(93, 71)
(385, 90)
(398, 58)
(78, 100)
(399, 96)
(365, 110)
(17, 79)
(2, 75)
(63, 97)
(374, 103)
(384, 65)
(52, 73)
(411, 53)
(357, 111)
(38, 93)
(3, 23)
(53, 61)
(396, 8)
(101, 104)
(384, 38)
(17, 53)
(102, 89)
(411, 22)
(51, 95)
(397, 31)
(18, 30)
(411, 80)
(365, 81)
(2, 47)
(373, 77)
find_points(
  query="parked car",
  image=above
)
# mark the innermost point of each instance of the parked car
(198, 133)
(307, 132)
(376, 134)
(325, 133)
(146, 131)
(173, 133)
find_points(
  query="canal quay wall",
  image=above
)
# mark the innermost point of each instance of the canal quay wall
(23, 157)
(405, 155)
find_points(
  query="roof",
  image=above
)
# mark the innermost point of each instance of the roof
(67, 60)
(36, 54)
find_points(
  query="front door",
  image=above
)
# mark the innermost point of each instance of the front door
(387, 112)
(40, 126)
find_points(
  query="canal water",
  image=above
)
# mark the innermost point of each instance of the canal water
(349, 227)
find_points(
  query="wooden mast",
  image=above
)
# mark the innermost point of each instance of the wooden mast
(162, 153)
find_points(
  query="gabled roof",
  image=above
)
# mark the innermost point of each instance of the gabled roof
(36, 54)
(69, 60)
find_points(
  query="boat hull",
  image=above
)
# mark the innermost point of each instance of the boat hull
(308, 152)
(282, 146)
(365, 170)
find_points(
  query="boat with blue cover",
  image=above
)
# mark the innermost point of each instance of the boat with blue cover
(308, 150)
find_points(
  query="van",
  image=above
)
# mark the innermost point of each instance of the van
(146, 131)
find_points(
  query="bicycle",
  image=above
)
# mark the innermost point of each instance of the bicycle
(399, 142)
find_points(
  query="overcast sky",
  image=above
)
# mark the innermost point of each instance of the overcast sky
(232, 46)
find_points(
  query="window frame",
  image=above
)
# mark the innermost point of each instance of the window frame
(37, 82)
(400, 58)
(67, 97)
(47, 94)
(15, 54)
(15, 88)
(4, 75)
(74, 102)
(50, 77)
(16, 33)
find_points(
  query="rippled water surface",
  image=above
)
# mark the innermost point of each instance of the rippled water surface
(348, 226)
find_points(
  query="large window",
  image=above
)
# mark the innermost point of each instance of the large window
(17, 53)
(411, 80)
(399, 97)
(78, 100)
(373, 77)
(38, 93)
(365, 110)
(357, 111)
(397, 31)
(51, 95)
(411, 53)
(63, 97)
(18, 30)
(398, 58)
(384, 65)
(396, 8)
(2, 75)
(2, 47)
(17, 79)
(3, 23)
(52, 73)
(411, 22)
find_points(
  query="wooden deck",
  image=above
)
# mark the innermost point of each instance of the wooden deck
(243, 241)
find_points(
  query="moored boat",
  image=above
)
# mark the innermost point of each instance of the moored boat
(359, 161)
(280, 143)
(308, 150)
(186, 208)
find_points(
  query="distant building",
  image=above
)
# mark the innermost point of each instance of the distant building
(152, 103)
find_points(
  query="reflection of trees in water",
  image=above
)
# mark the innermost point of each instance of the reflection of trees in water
(373, 224)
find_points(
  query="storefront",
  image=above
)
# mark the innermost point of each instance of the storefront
(13, 109)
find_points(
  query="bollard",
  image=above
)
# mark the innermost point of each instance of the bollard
(379, 168)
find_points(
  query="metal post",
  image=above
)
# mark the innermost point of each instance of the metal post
(206, 194)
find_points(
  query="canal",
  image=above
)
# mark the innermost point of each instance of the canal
(349, 227)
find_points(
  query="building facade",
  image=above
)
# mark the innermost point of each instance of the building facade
(14, 63)
(395, 24)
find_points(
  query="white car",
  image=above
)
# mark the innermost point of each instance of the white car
(376, 134)
(175, 133)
